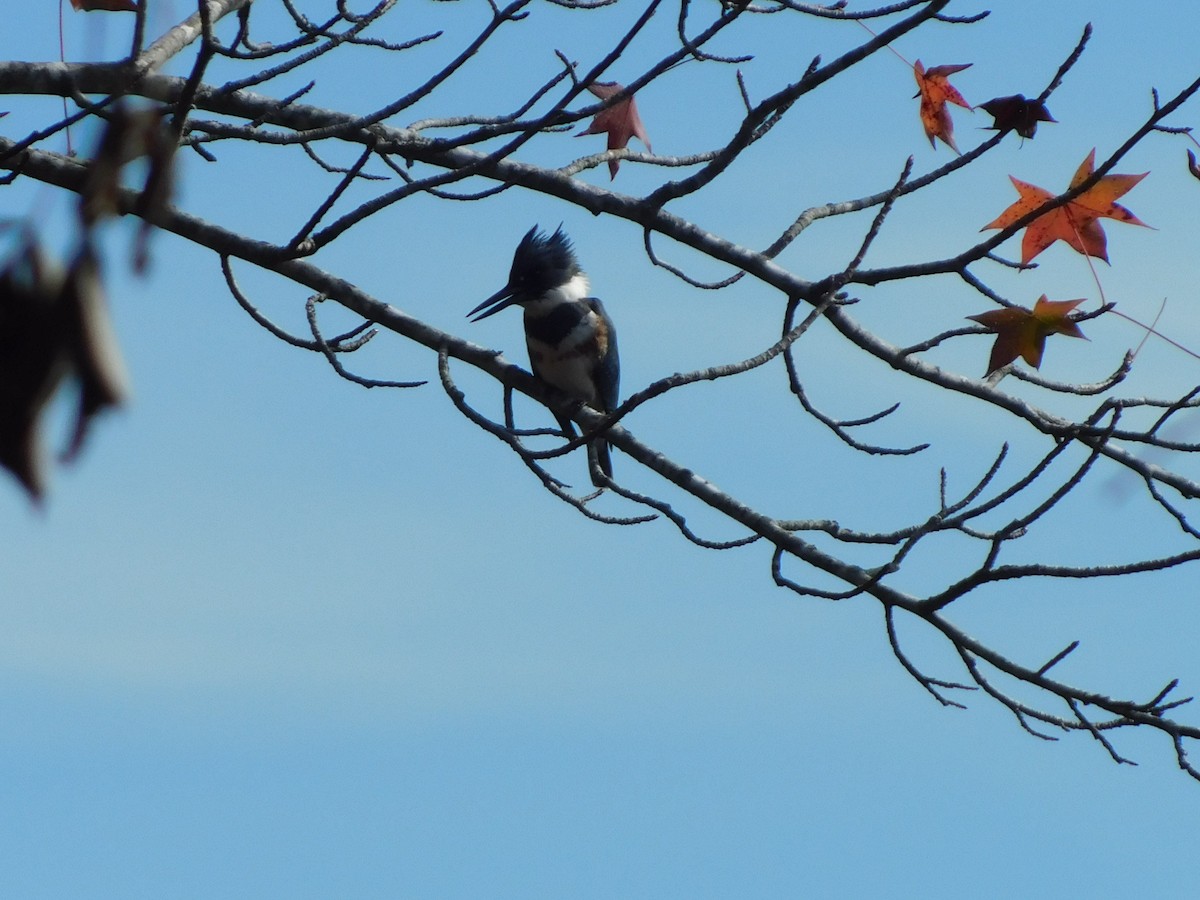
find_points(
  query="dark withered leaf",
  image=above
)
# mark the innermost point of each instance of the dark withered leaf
(33, 361)
(53, 326)
(91, 345)
(1016, 113)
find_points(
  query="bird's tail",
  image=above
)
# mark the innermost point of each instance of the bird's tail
(603, 458)
(597, 451)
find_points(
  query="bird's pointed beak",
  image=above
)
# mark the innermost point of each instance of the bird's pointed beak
(500, 300)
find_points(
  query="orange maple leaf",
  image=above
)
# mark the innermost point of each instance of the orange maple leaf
(1076, 222)
(935, 91)
(1021, 332)
(621, 121)
(105, 5)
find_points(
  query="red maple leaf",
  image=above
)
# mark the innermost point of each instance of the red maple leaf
(1022, 332)
(935, 91)
(1076, 222)
(621, 121)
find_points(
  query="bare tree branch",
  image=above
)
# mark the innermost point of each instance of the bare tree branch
(981, 530)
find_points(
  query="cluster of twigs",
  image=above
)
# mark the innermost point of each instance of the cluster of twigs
(448, 157)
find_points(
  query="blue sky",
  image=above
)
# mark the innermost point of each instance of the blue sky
(277, 635)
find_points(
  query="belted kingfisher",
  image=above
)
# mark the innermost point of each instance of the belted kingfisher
(571, 340)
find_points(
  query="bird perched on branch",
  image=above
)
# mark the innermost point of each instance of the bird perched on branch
(571, 340)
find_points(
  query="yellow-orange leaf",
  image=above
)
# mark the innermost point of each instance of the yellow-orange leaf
(935, 92)
(1022, 333)
(1076, 222)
